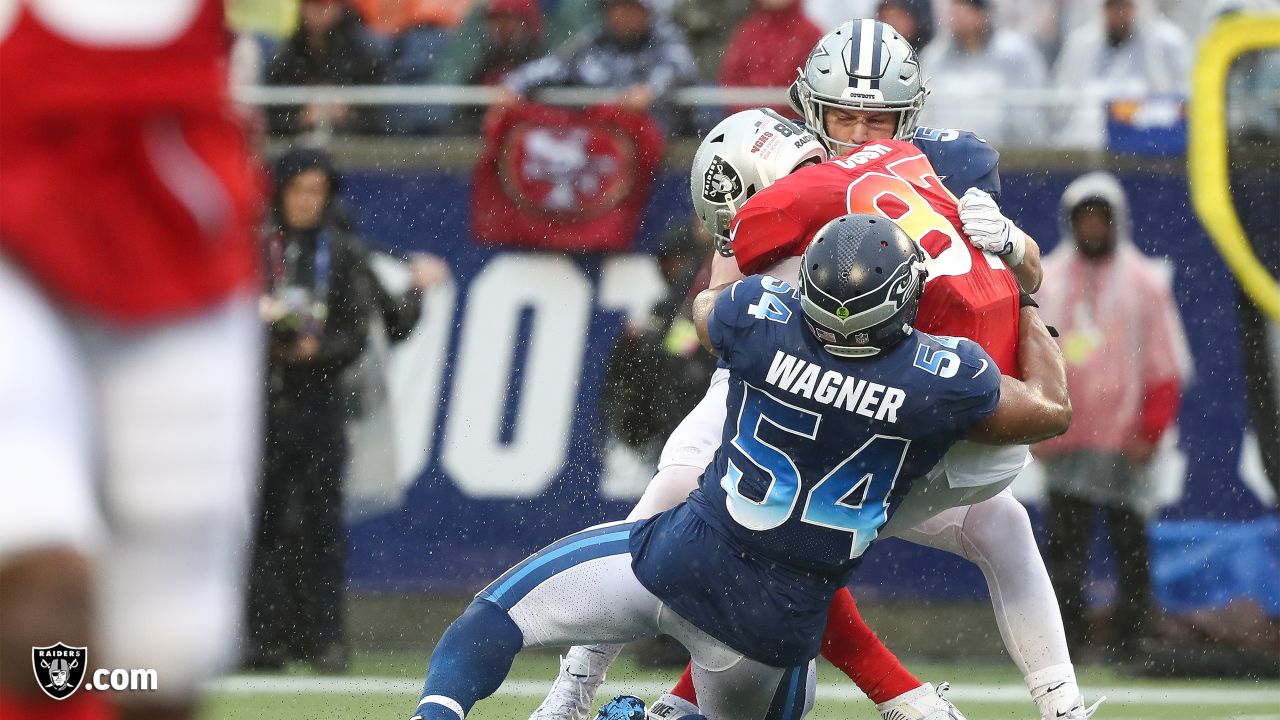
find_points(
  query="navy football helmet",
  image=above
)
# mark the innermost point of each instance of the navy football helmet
(861, 278)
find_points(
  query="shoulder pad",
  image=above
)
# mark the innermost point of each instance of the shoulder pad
(962, 159)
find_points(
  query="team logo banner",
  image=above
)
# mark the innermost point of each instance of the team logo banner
(563, 179)
(59, 669)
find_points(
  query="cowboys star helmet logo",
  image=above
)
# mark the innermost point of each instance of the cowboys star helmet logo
(721, 183)
(59, 669)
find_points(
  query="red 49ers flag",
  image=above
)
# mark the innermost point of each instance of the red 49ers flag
(563, 179)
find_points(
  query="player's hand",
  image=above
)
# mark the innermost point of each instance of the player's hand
(637, 98)
(428, 270)
(988, 229)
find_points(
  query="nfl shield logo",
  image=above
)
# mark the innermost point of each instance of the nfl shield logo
(59, 669)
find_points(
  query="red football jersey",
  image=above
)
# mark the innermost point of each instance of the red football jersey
(969, 293)
(127, 188)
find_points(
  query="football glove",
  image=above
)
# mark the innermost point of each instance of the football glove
(988, 229)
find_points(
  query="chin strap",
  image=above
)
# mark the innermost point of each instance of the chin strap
(724, 217)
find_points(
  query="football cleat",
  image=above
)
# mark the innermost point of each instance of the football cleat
(672, 707)
(572, 694)
(923, 703)
(1080, 712)
(622, 707)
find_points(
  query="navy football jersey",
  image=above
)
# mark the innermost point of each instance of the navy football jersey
(961, 159)
(817, 451)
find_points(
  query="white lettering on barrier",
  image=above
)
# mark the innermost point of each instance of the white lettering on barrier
(474, 455)
(416, 382)
(630, 284)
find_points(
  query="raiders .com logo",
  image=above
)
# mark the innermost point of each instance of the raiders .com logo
(61, 670)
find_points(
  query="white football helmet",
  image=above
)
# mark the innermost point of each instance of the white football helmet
(861, 65)
(747, 152)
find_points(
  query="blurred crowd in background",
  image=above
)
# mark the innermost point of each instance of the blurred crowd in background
(1044, 70)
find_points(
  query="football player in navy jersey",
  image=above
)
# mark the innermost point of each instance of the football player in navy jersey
(837, 406)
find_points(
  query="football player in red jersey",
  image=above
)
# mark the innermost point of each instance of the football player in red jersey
(130, 375)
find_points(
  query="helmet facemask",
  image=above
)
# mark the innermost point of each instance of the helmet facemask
(884, 77)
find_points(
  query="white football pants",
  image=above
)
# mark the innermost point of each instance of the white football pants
(139, 448)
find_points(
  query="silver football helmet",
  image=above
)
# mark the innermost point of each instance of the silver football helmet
(861, 65)
(747, 152)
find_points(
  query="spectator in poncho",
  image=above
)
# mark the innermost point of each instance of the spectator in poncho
(1127, 361)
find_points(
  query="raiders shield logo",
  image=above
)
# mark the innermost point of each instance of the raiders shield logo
(721, 183)
(59, 669)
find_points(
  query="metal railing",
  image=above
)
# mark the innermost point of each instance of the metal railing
(698, 96)
(478, 95)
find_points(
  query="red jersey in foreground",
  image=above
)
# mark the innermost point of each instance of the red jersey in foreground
(126, 183)
(969, 293)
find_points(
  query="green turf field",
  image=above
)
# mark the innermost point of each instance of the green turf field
(385, 686)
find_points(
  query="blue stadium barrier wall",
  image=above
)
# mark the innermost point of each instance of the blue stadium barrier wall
(490, 495)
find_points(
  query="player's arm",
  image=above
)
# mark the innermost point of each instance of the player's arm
(703, 307)
(988, 229)
(724, 270)
(1036, 407)
(1028, 272)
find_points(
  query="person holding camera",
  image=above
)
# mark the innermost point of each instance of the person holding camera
(316, 305)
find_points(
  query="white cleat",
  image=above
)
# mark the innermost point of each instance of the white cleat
(573, 695)
(923, 703)
(670, 707)
(1079, 712)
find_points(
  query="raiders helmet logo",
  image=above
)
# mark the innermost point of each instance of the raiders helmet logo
(59, 669)
(721, 183)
